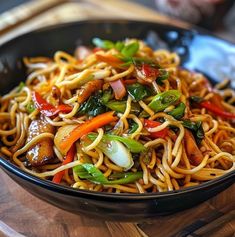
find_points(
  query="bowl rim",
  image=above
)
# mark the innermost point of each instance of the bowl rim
(12, 168)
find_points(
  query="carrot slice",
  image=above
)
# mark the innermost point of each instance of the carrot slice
(85, 128)
(110, 59)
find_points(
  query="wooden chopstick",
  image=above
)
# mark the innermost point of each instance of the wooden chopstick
(203, 227)
(20, 14)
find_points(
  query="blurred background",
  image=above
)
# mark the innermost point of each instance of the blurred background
(218, 16)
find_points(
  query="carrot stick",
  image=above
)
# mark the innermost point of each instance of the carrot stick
(193, 152)
(85, 128)
(68, 158)
(110, 59)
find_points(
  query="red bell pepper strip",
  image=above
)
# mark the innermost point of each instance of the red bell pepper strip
(118, 89)
(152, 124)
(217, 100)
(48, 109)
(149, 71)
(85, 128)
(216, 110)
(68, 158)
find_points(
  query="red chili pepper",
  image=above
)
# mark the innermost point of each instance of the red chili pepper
(152, 124)
(48, 109)
(68, 158)
(149, 71)
(216, 110)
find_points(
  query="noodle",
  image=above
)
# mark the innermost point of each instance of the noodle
(160, 136)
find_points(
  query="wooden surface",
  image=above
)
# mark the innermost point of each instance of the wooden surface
(27, 215)
(23, 215)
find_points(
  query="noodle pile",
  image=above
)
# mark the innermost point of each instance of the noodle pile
(171, 148)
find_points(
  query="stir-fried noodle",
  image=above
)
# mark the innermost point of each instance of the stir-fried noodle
(118, 118)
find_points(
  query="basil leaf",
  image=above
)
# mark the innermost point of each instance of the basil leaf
(196, 129)
(163, 75)
(138, 91)
(195, 99)
(119, 46)
(93, 106)
(178, 112)
(190, 125)
(130, 49)
(133, 127)
(199, 133)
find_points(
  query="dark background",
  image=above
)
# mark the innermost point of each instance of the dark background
(8, 4)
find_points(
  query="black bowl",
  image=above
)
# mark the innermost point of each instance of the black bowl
(198, 51)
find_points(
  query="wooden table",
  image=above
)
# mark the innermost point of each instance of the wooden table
(22, 214)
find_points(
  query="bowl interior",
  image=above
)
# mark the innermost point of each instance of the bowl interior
(198, 51)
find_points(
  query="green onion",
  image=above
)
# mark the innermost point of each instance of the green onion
(178, 112)
(91, 173)
(131, 144)
(104, 44)
(21, 86)
(30, 107)
(164, 99)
